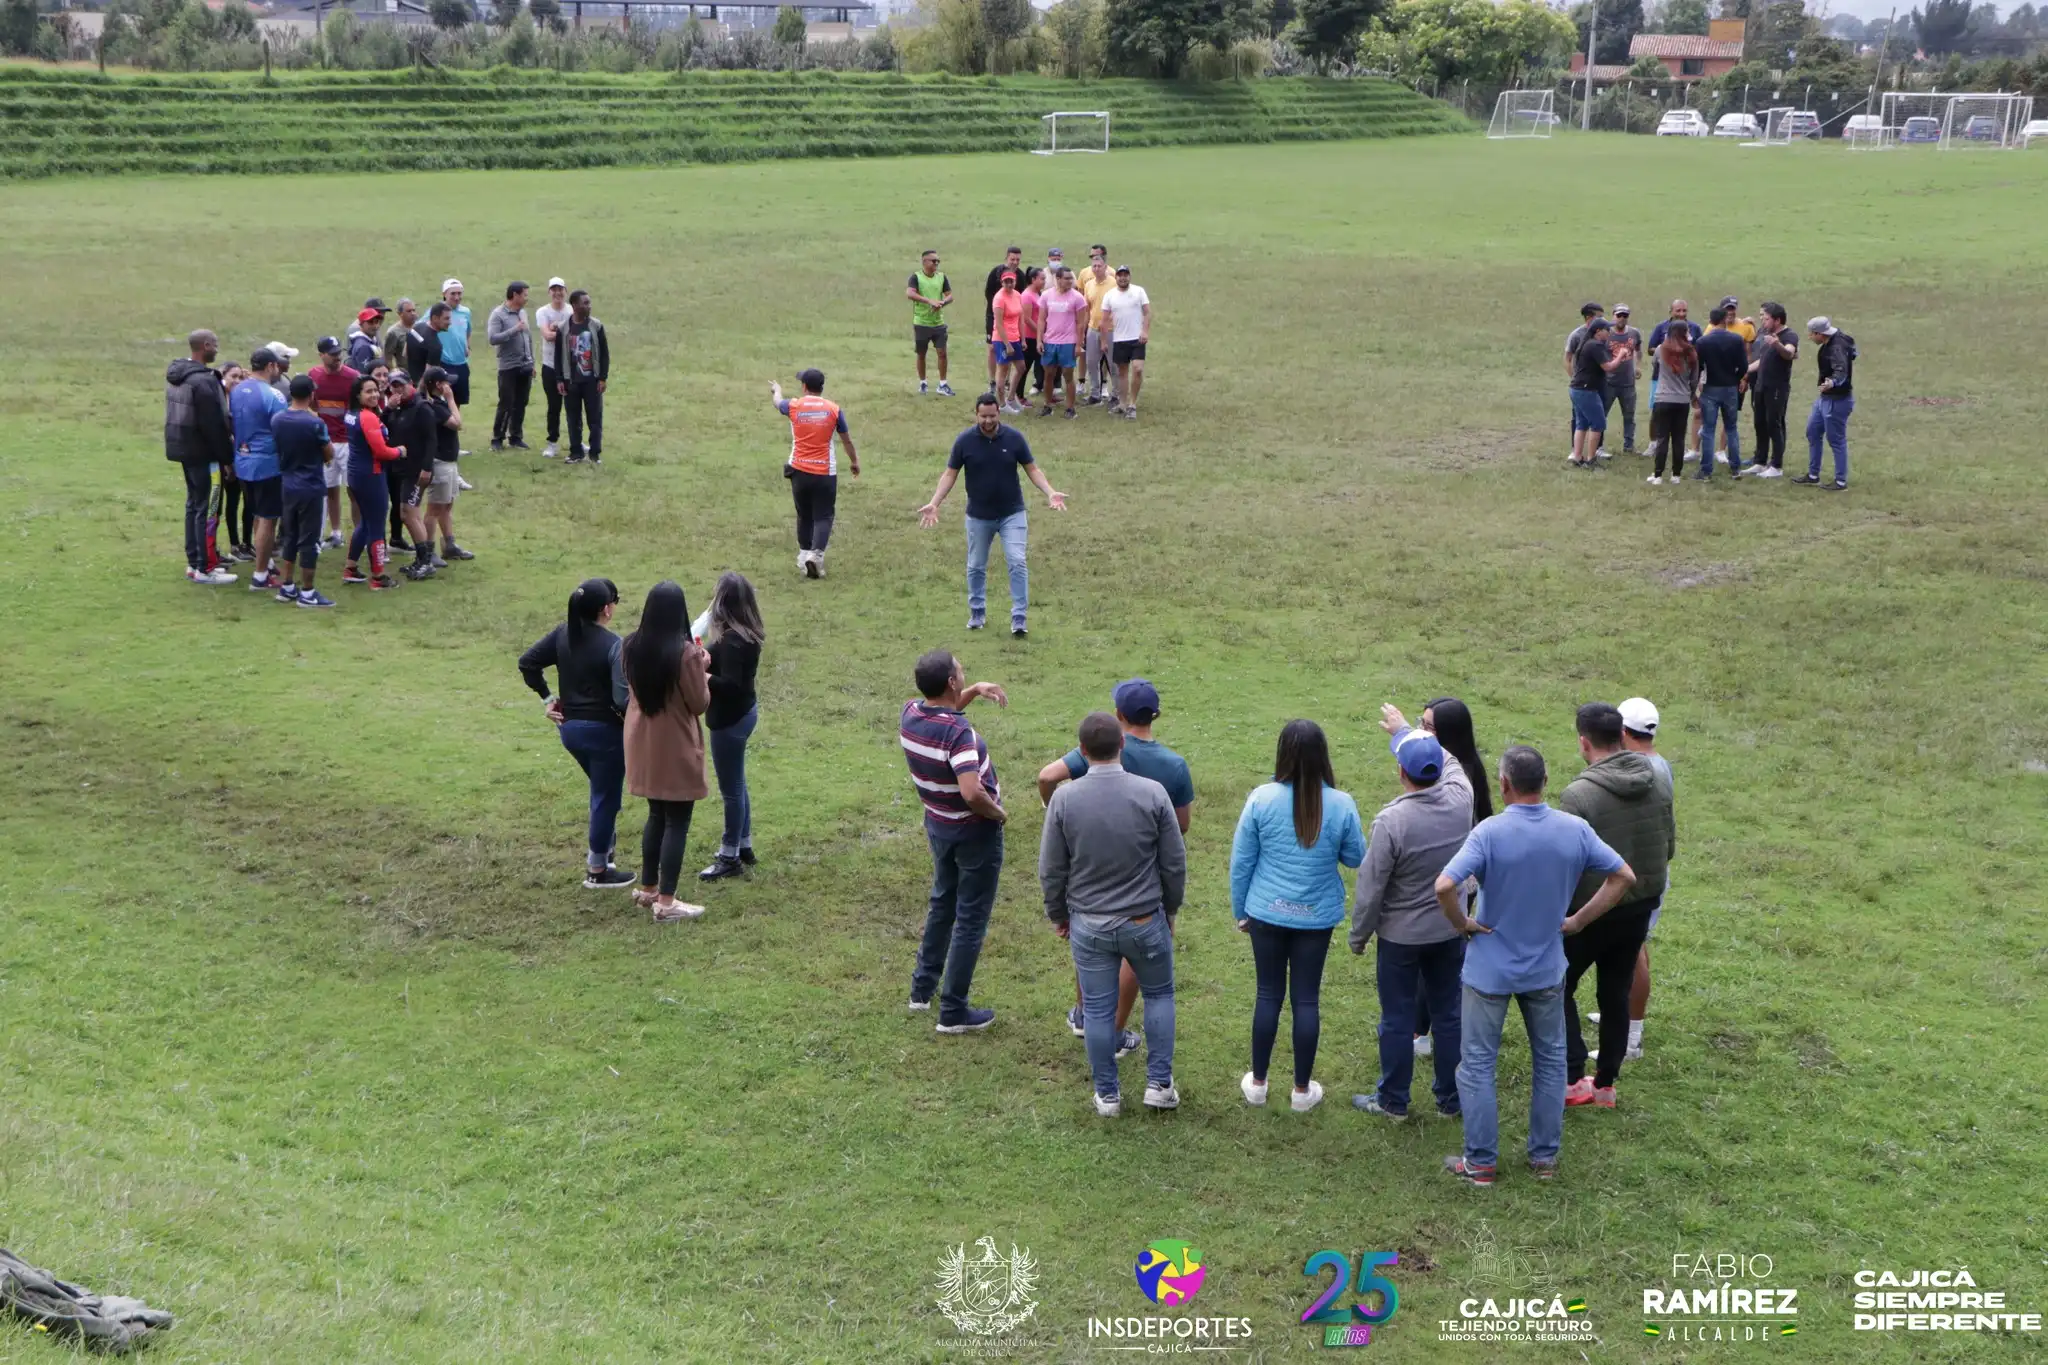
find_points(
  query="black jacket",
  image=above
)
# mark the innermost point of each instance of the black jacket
(734, 662)
(601, 353)
(422, 348)
(1837, 357)
(196, 427)
(592, 673)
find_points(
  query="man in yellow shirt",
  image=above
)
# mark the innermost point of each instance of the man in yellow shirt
(1097, 374)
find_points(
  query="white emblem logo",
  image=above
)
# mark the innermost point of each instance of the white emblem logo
(989, 1294)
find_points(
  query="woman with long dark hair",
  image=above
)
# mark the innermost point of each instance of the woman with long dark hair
(667, 689)
(733, 635)
(1296, 835)
(1674, 397)
(590, 713)
(1450, 720)
(370, 456)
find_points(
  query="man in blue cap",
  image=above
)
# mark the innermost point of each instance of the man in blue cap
(1136, 703)
(1420, 954)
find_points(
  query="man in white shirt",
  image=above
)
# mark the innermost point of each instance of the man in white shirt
(1129, 309)
(551, 317)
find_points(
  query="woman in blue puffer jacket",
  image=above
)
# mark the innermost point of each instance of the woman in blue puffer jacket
(1287, 891)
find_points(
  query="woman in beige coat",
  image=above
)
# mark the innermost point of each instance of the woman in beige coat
(668, 688)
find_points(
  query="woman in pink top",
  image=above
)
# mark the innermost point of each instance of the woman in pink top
(1036, 281)
(1063, 312)
(1009, 308)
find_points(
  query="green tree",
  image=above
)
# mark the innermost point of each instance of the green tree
(789, 27)
(1775, 31)
(18, 27)
(1327, 31)
(449, 15)
(1473, 40)
(504, 12)
(1075, 28)
(1155, 36)
(1941, 25)
(546, 12)
(1620, 22)
(1684, 16)
(1003, 22)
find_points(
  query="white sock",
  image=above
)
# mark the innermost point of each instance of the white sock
(1635, 1033)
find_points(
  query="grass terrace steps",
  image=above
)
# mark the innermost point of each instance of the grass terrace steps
(83, 123)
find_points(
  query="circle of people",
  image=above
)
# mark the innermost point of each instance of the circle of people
(1707, 375)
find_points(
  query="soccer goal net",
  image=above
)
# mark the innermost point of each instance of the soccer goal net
(1912, 116)
(1985, 121)
(1778, 126)
(1069, 130)
(1523, 113)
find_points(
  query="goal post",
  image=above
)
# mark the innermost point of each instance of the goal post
(1073, 130)
(1778, 126)
(1523, 113)
(1991, 122)
(1898, 107)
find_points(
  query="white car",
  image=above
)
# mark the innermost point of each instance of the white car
(1683, 123)
(1737, 125)
(2035, 128)
(1863, 130)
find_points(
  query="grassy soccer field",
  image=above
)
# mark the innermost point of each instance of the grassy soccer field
(308, 1034)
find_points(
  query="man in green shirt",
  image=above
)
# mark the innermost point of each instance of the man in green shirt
(929, 293)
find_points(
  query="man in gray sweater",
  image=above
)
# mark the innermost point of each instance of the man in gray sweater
(1114, 869)
(1420, 955)
(512, 338)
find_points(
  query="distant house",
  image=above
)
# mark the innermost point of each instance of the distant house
(1687, 57)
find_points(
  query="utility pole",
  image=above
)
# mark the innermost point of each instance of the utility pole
(1592, 32)
(1877, 76)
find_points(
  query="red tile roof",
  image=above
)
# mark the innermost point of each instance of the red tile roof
(1681, 45)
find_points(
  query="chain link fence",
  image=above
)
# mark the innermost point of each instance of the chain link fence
(1636, 105)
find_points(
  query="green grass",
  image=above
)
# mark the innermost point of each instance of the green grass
(307, 1034)
(70, 123)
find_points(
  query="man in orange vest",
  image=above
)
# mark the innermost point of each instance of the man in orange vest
(813, 468)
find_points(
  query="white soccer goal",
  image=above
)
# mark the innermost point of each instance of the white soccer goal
(1912, 117)
(1777, 127)
(1985, 121)
(1523, 113)
(1074, 130)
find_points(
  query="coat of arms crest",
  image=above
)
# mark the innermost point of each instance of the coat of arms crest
(990, 1293)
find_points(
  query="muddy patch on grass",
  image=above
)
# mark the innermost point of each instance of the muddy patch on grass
(1700, 575)
(1461, 451)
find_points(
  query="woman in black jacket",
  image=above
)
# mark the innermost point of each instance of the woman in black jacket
(733, 633)
(590, 712)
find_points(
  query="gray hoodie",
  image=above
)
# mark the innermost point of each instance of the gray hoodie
(513, 343)
(1413, 837)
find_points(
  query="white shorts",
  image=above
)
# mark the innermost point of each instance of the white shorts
(337, 468)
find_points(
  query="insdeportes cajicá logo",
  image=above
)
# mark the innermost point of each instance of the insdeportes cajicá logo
(1508, 1297)
(1170, 1273)
(1352, 1326)
(1721, 1298)
(989, 1294)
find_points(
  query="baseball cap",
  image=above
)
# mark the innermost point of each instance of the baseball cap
(449, 284)
(1621, 310)
(557, 282)
(1598, 325)
(262, 356)
(1137, 700)
(1052, 251)
(399, 376)
(1730, 301)
(1123, 270)
(327, 346)
(371, 314)
(373, 304)
(1639, 715)
(1009, 275)
(1419, 755)
(281, 351)
(811, 379)
(1821, 325)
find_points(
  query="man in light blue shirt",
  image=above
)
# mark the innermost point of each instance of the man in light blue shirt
(1528, 860)
(250, 408)
(455, 342)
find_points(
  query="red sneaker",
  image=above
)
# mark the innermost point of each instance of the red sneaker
(1481, 1176)
(1579, 1092)
(1603, 1097)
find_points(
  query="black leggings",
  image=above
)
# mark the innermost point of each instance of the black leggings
(1610, 946)
(237, 514)
(817, 502)
(661, 844)
(1667, 434)
(394, 484)
(1284, 958)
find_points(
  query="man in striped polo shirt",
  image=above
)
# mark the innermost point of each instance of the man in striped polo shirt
(812, 470)
(963, 822)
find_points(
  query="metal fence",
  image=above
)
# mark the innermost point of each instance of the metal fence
(1635, 106)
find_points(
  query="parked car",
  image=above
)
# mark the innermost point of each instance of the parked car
(1863, 129)
(1536, 118)
(1804, 123)
(1737, 125)
(1683, 123)
(1982, 128)
(2036, 128)
(1921, 128)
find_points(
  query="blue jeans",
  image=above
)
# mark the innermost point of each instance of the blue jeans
(964, 876)
(1098, 961)
(980, 534)
(1830, 418)
(1484, 1016)
(729, 760)
(1720, 401)
(600, 750)
(1411, 974)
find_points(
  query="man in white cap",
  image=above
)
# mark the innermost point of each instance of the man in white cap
(285, 355)
(1639, 735)
(1836, 351)
(551, 317)
(455, 341)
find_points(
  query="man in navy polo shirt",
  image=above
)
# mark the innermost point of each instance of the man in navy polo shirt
(991, 454)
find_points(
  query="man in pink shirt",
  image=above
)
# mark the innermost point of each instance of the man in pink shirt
(1063, 318)
(1007, 332)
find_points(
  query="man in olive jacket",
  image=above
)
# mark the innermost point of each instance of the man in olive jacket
(1621, 796)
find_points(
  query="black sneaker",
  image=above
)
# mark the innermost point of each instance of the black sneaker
(609, 879)
(1838, 486)
(597, 459)
(973, 1021)
(747, 857)
(1807, 479)
(398, 545)
(517, 444)
(354, 576)
(721, 868)
(574, 459)
(498, 446)
(1019, 633)
(454, 551)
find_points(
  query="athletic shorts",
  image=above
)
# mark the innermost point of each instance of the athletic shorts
(1124, 352)
(336, 472)
(442, 490)
(1008, 352)
(410, 490)
(264, 497)
(1653, 918)
(929, 336)
(1589, 411)
(1059, 355)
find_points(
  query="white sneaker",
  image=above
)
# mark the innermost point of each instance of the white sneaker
(1771, 472)
(1305, 1102)
(1634, 1053)
(1592, 1016)
(1654, 479)
(464, 484)
(923, 387)
(803, 562)
(1162, 1096)
(1254, 1093)
(1108, 1109)
(668, 914)
(1424, 1047)
(211, 577)
(548, 451)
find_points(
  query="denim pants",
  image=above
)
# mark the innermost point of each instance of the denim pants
(600, 750)
(1830, 418)
(964, 876)
(1719, 401)
(1099, 955)
(980, 534)
(729, 760)
(1624, 394)
(1413, 975)
(1484, 1017)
